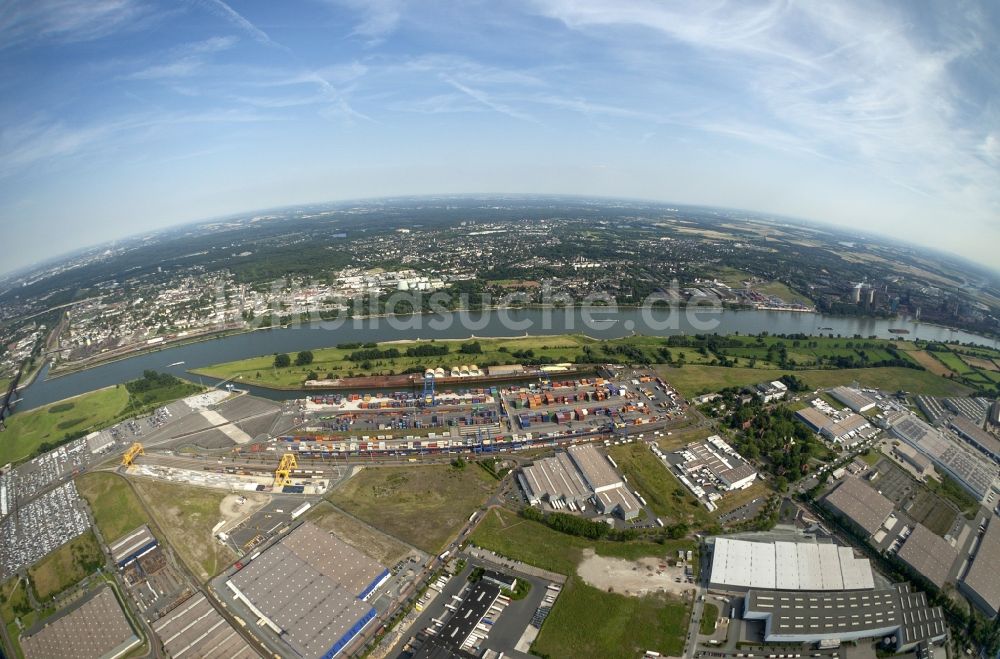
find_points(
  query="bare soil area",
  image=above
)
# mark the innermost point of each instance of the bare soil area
(639, 577)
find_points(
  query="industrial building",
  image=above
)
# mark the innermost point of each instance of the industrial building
(715, 462)
(816, 616)
(835, 426)
(928, 554)
(310, 588)
(97, 629)
(994, 416)
(973, 471)
(860, 505)
(132, 546)
(568, 480)
(981, 584)
(99, 440)
(195, 629)
(769, 391)
(741, 564)
(976, 437)
(939, 410)
(913, 458)
(853, 398)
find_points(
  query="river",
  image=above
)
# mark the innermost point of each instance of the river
(503, 323)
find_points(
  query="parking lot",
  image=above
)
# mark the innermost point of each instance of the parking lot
(914, 499)
(40, 526)
(745, 512)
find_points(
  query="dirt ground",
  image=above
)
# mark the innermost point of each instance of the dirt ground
(979, 362)
(640, 577)
(382, 547)
(927, 360)
(233, 512)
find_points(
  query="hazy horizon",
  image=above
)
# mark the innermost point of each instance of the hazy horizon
(246, 213)
(123, 116)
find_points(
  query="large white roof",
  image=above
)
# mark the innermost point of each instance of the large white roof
(788, 566)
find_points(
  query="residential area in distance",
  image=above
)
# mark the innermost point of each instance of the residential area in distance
(686, 495)
(240, 456)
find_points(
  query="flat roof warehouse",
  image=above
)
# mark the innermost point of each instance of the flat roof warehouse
(788, 566)
(310, 588)
(860, 504)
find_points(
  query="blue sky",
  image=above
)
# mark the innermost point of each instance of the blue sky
(120, 116)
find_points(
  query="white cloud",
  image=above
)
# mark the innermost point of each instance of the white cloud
(42, 141)
(223, 10)
(853, 82)
(68, 20)
(379, 18)
(184, 60)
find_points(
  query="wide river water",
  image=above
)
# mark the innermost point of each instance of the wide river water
(504, 323)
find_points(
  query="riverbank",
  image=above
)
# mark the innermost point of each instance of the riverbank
(67, 368)
(247, 344)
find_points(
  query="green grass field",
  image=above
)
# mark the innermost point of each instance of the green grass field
(14, 604)
(116, 508)
(378, 545)
(41, 429)
(26, 431)
(952, 361)
(66, 566)
(586, 622)
(534, 543)
(666, 496)
(421, 505)
(186, 515)
(692, 380)
(13, 600)
(708, 617)
(260, 370)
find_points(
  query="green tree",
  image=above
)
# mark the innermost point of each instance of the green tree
(304, 358)
(282, 361)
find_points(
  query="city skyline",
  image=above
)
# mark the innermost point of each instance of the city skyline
(125, 117)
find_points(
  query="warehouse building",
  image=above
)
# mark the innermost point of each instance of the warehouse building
(853, 398)
(812, 617)
(741, 564)
(132, 546)
(912, 458)
(97, 629)
(569, 480)
(860, 505)
(195, 629)
(769, 391)
(981, 584)
(716, 463)
(994, 417)
(973, 471)
(929, 555)
(310, 588)
(99, 440)
(835, 426)
(976, 437)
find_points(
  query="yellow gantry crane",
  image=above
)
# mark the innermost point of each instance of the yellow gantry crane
(283, 474)
(131, 454)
